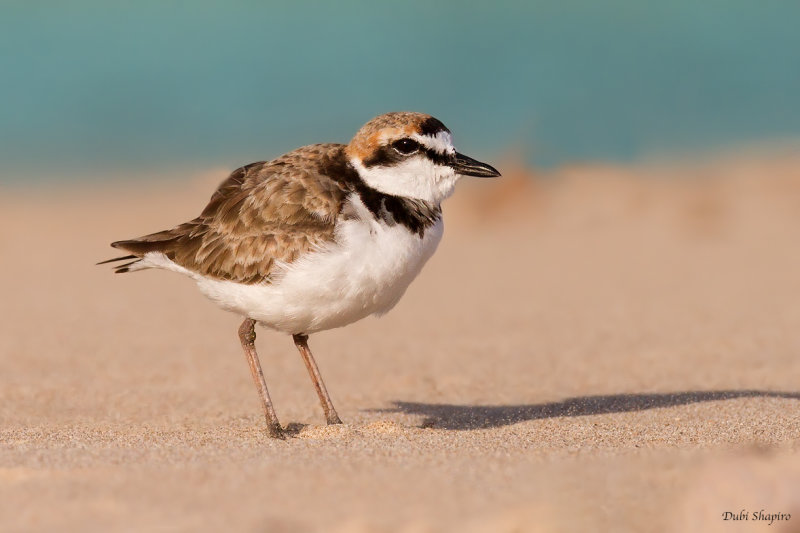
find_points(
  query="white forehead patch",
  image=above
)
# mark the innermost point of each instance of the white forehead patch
(442, 142)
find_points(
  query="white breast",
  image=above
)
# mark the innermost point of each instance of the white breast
(366, 271)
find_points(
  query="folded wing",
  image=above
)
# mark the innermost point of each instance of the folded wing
(264, 214)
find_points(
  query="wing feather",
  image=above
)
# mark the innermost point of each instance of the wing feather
(262, 214)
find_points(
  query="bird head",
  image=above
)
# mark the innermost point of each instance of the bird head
(411, 155)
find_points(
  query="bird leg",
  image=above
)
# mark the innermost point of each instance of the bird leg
(247, 334)
(301, 341)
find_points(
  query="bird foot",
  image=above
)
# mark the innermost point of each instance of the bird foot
(333, 419)
(275, 431)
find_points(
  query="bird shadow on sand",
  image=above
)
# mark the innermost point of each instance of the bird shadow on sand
(466, 417)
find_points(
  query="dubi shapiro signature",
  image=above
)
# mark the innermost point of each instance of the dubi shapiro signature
(761, 515)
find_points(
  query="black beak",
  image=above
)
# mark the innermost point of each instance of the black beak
(466, 166)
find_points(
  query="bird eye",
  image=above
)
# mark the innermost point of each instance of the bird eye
(406, 146)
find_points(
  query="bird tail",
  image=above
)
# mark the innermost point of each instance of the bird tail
(119, 269)
(137, 248)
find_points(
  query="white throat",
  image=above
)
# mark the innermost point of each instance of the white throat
(417, 177)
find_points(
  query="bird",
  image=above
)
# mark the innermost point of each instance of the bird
(318, 238)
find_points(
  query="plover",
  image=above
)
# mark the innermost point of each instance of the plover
(320, 237)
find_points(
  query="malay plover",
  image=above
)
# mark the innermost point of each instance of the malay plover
(320, 237)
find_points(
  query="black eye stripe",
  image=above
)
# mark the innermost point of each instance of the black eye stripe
(387, 156)
(438, 157)
(435, 155)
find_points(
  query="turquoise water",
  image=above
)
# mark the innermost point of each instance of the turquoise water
(88, 87)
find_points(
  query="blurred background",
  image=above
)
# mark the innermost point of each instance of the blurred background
(594, 350)
(93, 88)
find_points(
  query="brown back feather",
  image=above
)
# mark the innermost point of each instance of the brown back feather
(262, 213)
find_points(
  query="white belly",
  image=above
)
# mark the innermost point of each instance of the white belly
(365, 272)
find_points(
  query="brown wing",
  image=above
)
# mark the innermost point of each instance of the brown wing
(264, 212)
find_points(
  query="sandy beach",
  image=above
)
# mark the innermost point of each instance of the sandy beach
(598, 349)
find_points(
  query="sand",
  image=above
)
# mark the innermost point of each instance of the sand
(597, 349)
